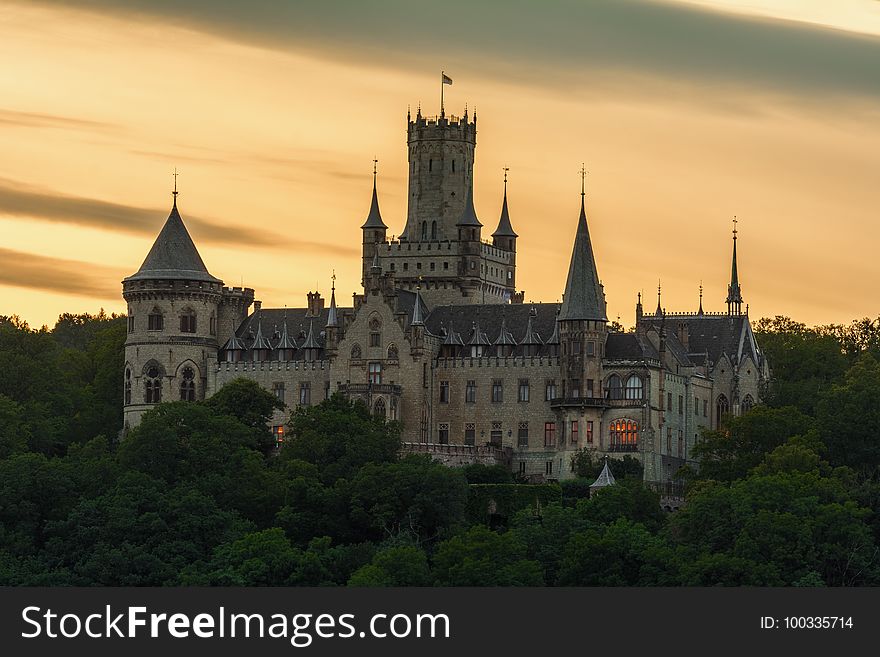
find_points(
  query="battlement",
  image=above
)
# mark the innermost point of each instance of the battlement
(442, 127)
(652, 316)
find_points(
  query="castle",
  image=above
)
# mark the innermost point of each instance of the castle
(440, 340)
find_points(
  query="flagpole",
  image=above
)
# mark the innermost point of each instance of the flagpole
(442, 111)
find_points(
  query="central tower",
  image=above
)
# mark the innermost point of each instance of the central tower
(441, 173)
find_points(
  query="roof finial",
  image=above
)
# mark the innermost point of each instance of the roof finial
(583, 173)
(375, 162)
(659, 310)
(174, 193)
(734, 226)
(505, 169)
(701, 298)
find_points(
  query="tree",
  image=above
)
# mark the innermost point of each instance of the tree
(587, 464)
(482, 557)
(626, 499)
(403, 565)
(848, 416)
(731, 452)
(249, 403)
(339, 436)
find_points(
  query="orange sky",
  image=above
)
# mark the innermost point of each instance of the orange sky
(274, 138)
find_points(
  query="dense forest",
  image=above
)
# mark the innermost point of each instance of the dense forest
(787, 494)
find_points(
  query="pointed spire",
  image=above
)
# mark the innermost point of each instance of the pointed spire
(605, 477)
(659, 310)
(260, 342)
(374, 219)
(332, 318)
(505, 337)
(311, 342)
(234, 343)
(174, 254)
(417, 317)
(734, 293)
(286, 342)
(504, 228)
(376, 268)
(452, 338)
(469, 216)
(531, 336)
(477, 336)
(583, 295)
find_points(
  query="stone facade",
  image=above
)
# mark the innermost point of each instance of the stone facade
(439, 340)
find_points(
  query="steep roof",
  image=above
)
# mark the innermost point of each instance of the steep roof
(374, 219)
(469, 216)
(583, 296)
(174, 255)
(713, 335)
(605, 478)
(504, 228)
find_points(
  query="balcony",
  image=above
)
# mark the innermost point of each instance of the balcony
(581, 402)
(623, 447)
(370, 389)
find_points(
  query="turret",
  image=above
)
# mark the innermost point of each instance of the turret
(734, 293)
(173, 307)
(504, 236)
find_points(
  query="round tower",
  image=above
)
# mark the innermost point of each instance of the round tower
(441, 164)
(173, 308)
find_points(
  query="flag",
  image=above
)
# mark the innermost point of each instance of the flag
(446, 79)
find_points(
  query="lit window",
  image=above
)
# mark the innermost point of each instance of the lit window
(624, 435)
(278, 434)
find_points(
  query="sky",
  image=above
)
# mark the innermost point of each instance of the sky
(686, 113)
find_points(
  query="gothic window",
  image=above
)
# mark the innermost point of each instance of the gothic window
(615, 387)
(188, 321)
(747, 404)
(424, 230)
(356, 352)
(722, 408)
(188, 385)
(155, 320)
(634, 387)
(375, 324)
(152, 384)
(392, 352)
(127, 386)
(433, 230)
(379, 408)
(624, 435)
(375, 373)
(443, 434)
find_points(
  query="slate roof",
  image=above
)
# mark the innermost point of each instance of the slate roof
(469, 216)
(374, 219)
(504, 228)
(489, 317)
(174, 255)
(713, 335)
(629, 346)
(583, 297)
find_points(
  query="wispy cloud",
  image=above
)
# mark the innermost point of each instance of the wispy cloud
(39, 120)
(27, 270)
(21, 200)
(557, 42)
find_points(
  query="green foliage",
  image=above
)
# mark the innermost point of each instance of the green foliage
(404, 565)
(627, 499)
(249, 403)
(585, 463)
(504, 500)
(848, 416)
(339, 437)
(481, 557)
(477, 473)
(730, 453)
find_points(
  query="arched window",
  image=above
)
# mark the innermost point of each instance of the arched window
(624, 435)
(127, 386)
(634, 387)
(433, 230)
(615, 387)
(188, 385)
(152, 384)
(722, 408)
(747, 404)
(155, 320)
(356, 352)
(424, 230)
(392, 352)
(188, 321)
(379, 408)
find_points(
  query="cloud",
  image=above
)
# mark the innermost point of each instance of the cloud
(559, 43)
(18, 199)
(39, 120)
(19, 269)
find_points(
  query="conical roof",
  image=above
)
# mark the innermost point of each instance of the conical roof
(505, 337)
(374, 219)
(531, 336)
(452, 338)
(234, 343)
(605, 478)
(477, 336)
(583, 296)
(332, 316)
(261, 342)
(469, 216)
(504, 228)
(311, 342)
(418, 318)
(174, 255)
(286, 342)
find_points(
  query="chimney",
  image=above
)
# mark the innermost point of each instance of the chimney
(257, 305)
(683, 335)
(315, 304)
